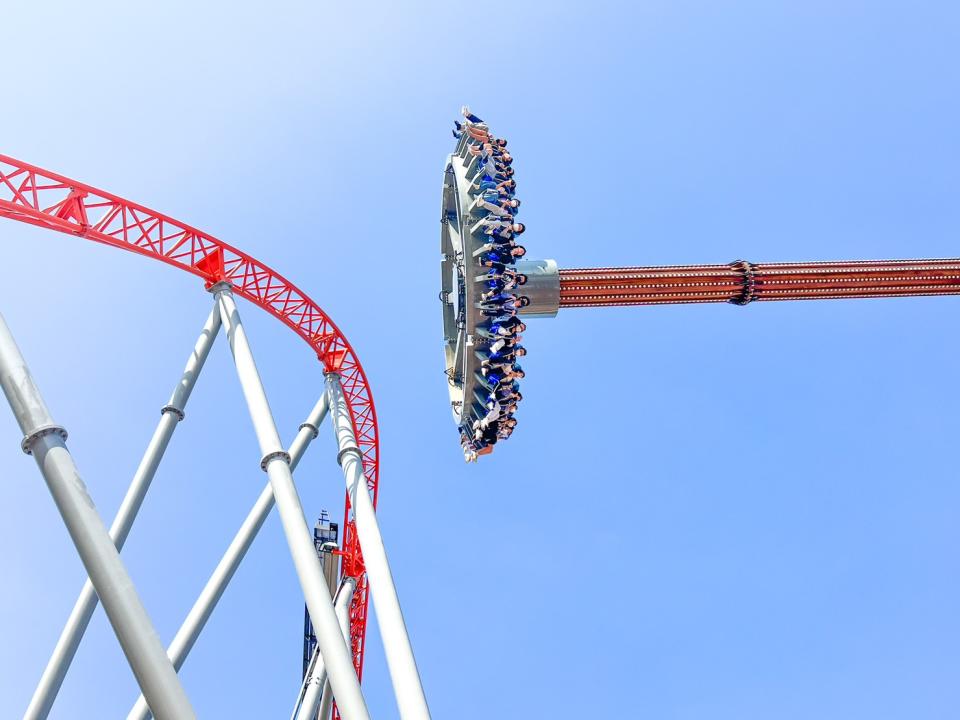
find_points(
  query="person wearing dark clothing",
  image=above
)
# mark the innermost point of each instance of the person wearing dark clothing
(505, 355)
(507, 278)
(506, 307)
(497, 256)
(497, 267)
(503, 258)
(495, 377)
(496, 363)
(506, 394)
(508, 326)
(492, 298)
(484, 185)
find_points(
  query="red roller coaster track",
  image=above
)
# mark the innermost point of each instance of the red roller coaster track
(48, 200)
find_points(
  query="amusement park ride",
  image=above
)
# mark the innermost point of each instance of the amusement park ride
(31, 195)
(340, 567)
(465, 238)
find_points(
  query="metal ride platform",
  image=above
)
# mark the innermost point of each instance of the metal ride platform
(461, 282)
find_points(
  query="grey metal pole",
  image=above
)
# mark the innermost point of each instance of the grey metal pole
(170, 416)
(343, 615)
(407, 687)
(46, 441)
(316, 680)
(222, 575)
(276, 462)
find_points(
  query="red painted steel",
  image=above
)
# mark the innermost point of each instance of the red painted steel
(742, 282)
(48, 200)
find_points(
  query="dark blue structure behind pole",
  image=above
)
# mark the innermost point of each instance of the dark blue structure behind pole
(325, 536)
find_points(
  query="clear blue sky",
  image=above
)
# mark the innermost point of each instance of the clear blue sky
(705, 513)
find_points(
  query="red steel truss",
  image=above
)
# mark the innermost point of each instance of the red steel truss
(48, 200)
(742, 282)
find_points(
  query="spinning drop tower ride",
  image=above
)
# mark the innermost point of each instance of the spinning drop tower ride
(463, 239)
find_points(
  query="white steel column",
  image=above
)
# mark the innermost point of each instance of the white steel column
(403, 667)
(276, 463)
(212, 592)
(170, 416)
(46, 441)
(316, 681)
(315, 676)
(343, 615)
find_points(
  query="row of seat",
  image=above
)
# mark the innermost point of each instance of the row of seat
(492, 266)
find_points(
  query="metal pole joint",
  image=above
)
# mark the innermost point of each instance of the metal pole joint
(749, 292)
(275, 455)
(41, 432)
(350, 449)
(312, 427)
(175, 410)
(219, 287)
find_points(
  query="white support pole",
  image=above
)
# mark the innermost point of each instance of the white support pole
(407, 687)
(313, 676)
(222, 575)
(315, 681)
(343, 615)
(170, 416)
(276, 462)
(46, 441)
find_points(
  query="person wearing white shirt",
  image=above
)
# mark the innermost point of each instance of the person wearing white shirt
(497, 345)
(492, 203)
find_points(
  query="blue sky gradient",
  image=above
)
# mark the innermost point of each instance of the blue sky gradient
(705, 512)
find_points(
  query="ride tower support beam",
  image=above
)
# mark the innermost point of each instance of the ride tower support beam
(316, 686)
(743, 282)
(46, 441)
(276, 462)
(404, 675)
(207, 601)
(170, 416)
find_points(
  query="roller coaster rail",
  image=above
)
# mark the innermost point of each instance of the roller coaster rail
(45, 199)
